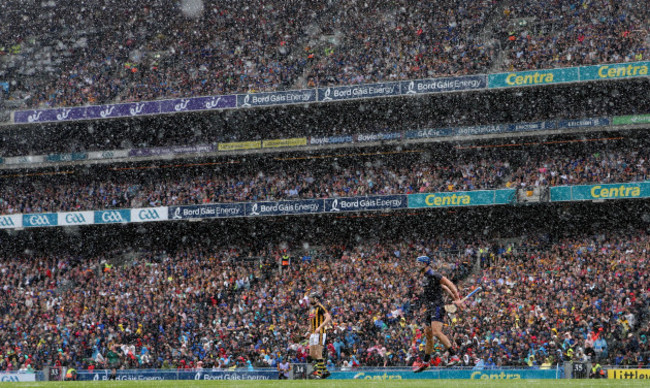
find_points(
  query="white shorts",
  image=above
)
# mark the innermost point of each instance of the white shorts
(317, 339)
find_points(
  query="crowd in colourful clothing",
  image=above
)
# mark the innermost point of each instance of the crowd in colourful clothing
(107, 51)
(97, 188)
(542, 303)
(570, 33)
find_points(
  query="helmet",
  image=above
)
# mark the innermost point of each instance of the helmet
(314, 295)
(424, 259)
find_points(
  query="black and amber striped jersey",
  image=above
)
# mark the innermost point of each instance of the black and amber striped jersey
(317, 317)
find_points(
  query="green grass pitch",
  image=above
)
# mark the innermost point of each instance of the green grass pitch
(343, 384)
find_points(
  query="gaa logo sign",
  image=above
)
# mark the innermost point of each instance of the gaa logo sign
(151, 214)
(17, 377)
(6, 222)
(148, 215)
(39, 220)
(112, 216)
(77, 218)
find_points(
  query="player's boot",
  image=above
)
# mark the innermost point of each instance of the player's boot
(420, 366)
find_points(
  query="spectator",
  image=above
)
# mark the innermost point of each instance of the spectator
(284, 367)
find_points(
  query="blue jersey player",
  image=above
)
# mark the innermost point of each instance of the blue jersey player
(432, 299)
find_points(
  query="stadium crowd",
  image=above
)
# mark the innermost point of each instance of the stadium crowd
(543, 303)
(51, 57)
(570, 33)
(234, 306)
(131, 187)
(349, 119)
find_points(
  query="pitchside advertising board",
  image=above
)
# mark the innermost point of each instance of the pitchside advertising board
(600, 192)
(256, 209)
(117, 216)
(215, 210)
(507, 374)
(480, 130)
(279, 143)
(150, 214)
(135, 375)
(11, 221)
(614, 71)
(606, 72)
(66, 157)
(331, 140)
(631, 120)
(276, 98)
(76, 218)
(367, 374)
(40, 220)
(358, 91)
(367, 137)
(318, 206)
(111, 154)
(533, 78)
(17, 377)
(178, 150)
(278, 208)
(337, 205)
(584, 123)
(507, 128)
(442, 85)
(462, 198)
(126, 110)
(628, 374)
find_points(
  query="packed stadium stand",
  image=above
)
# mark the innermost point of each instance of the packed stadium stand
(109, 51)
(560, 242)
(564, 293)
(421, 169)
(345, 118)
